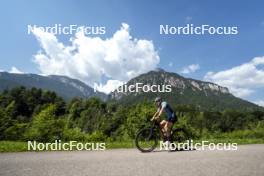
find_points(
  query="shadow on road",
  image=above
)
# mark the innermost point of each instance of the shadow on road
(177, 150)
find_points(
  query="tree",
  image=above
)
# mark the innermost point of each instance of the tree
(45, 127)
(138, 116)
(5, 122)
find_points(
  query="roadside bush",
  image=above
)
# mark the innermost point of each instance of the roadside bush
(138, 117)
(73, 134)
(96, 136)
(16, 131)
(45, 127)
(182, 123)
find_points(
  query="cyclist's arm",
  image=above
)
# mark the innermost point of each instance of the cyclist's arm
(154, 116)
(158, 114)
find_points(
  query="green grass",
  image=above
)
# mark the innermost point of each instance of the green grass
(14, 146)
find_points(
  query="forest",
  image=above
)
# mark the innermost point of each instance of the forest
(41, 115)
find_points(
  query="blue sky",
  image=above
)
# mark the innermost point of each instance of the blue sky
(213, 53)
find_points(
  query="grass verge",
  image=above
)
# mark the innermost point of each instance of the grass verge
(15, 146)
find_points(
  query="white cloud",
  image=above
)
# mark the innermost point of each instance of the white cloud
(190, 68)
(170, 64)
(259, 102)
(242, 79)
(90, 59)
(109, 86)
(15, 70)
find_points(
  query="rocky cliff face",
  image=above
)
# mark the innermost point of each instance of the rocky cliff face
(206, 95)
(177, 82)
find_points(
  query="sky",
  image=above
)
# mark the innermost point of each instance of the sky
(132, 43)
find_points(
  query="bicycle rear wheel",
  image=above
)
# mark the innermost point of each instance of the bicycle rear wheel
(146, 140)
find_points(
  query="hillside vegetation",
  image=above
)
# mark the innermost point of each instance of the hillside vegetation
(34, 114)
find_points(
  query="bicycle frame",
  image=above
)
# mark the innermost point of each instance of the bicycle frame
(156, 125)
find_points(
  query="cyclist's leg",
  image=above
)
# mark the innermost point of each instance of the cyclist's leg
(162, 128)
(162, 124)
(168, 128)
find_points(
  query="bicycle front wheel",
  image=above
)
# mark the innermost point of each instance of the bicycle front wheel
(146, 140)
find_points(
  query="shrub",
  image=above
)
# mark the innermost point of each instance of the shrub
(16, 131)
(73, 134)
(45, 127)
(96, 136)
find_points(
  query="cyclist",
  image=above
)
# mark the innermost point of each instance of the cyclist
(165, 125)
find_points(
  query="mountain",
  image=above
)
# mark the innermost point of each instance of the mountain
(205, 95)
(62, 85)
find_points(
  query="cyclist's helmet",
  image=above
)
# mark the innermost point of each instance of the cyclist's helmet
(157, 99)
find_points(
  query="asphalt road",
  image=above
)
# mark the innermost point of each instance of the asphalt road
(248, 160)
